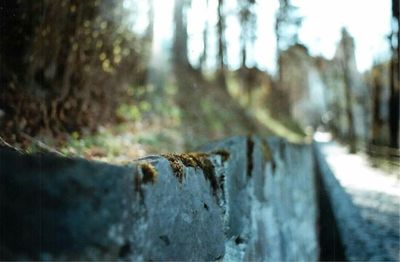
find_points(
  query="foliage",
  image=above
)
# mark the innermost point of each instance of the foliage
(65, 64)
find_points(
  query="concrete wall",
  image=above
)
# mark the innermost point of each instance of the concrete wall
(243, 198)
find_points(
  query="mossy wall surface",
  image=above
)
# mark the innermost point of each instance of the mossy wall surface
(243, 198)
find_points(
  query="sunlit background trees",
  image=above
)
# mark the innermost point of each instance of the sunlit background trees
(84, 77)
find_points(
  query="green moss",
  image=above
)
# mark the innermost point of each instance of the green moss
(223, 153)
(176, 165)
(149, 173)
(209, 173)
(195, 160)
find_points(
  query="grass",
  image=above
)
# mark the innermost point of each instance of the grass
(125, 142)
(259, 109)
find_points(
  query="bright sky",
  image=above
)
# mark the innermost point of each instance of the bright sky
(368, 21)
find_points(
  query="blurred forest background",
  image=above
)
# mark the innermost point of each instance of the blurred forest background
(90, 78)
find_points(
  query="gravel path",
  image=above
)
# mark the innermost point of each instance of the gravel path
(376, 197)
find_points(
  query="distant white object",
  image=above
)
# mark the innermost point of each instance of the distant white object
(322, 136)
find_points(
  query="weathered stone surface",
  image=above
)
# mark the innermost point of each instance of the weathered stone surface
(182, 221)
(243, 198)
(234, 178)
(52, 207)
(270, 200)
(283, 208)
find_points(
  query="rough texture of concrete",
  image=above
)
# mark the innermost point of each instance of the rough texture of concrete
(283, 197)
(52, 207)
(247, 198)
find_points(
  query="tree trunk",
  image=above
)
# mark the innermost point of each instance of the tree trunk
(244, 54)
(351, 136)
(347, 46)
(376, 105)
(180, 57)
(394, 102)
(150, 28)
(221, 45)
(203, 57)
(394, 107)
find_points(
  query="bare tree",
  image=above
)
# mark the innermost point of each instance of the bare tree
(347, 45)
(203, 56)
(221, 45)
(394, 107)
(180, 49)
(376, 105)
(150, 28)
(287, 24)
(248, 19)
